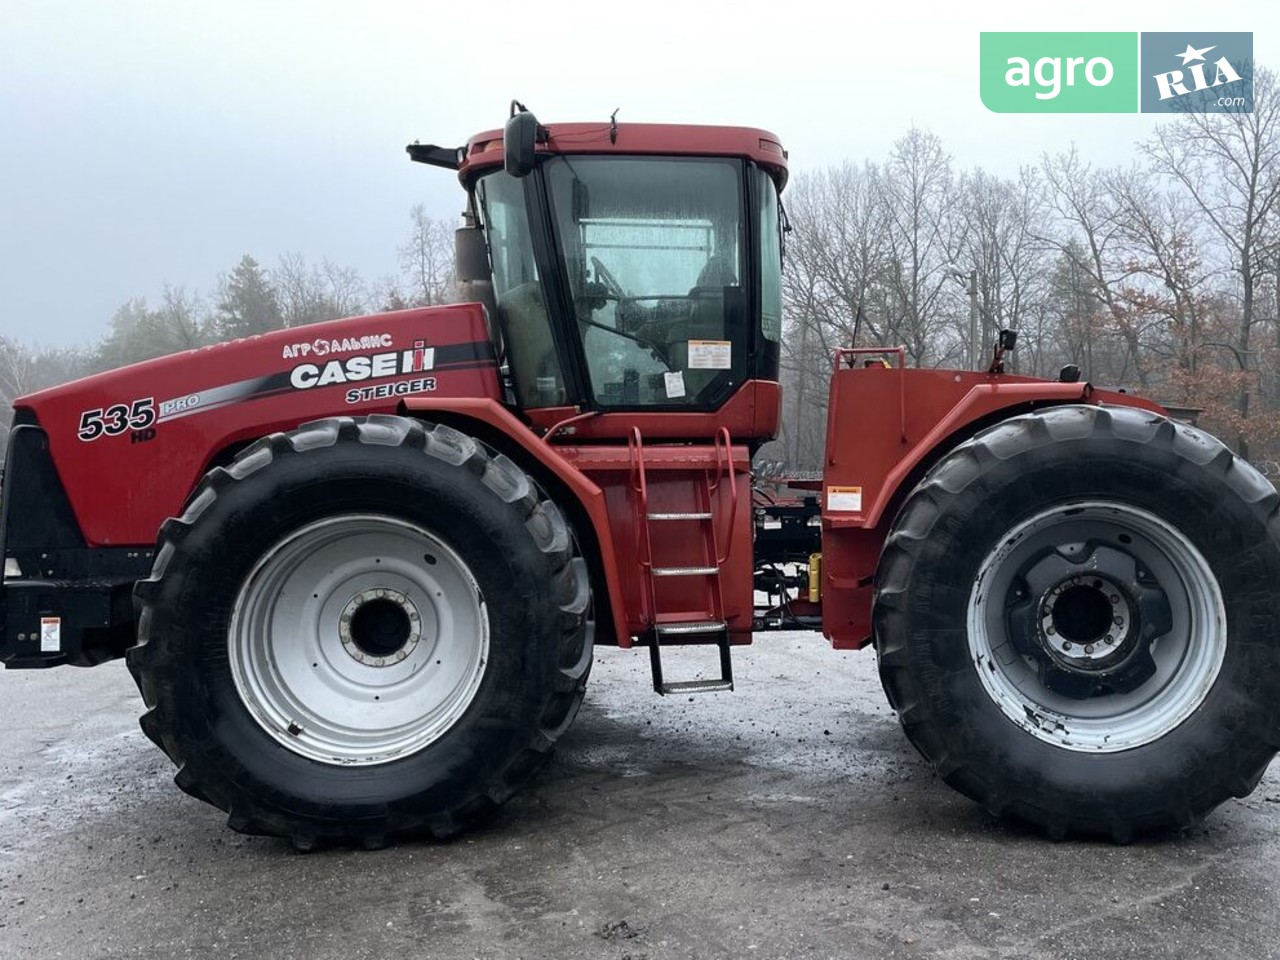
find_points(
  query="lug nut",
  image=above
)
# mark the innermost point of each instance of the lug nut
(1066, 644)
(1088, 648)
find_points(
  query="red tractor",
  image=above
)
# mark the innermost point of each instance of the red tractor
(358, 569)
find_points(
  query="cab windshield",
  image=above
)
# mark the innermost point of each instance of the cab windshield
(654, 255)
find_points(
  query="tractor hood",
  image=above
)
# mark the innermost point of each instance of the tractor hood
(130, 444)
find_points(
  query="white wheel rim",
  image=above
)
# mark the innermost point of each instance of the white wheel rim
(1187, 658)
(358, 639)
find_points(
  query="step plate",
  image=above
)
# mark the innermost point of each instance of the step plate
(696, 686)
(689, 627)
(685, 571)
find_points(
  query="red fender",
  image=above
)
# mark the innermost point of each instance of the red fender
(885, 427)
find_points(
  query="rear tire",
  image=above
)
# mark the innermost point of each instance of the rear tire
(1077, 618)
(360, 630)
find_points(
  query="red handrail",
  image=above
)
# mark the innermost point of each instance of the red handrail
(723, 439)
(640, 518)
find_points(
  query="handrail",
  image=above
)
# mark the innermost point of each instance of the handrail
(640, 519)
(724, 439)
(562, 424)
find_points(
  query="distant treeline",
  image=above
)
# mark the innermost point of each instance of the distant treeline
(248, 299)
(1163, 276)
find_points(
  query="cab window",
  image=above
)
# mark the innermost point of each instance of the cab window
(535, 368)
(653, 249)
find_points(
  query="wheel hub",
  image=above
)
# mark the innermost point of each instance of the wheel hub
(1096, 626)
(358, 639)
(1086, 623)
(379, 627)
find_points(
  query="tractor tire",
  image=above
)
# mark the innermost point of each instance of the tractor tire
(361, 630)
(1077, 620)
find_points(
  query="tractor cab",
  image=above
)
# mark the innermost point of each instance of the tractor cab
(629, 267)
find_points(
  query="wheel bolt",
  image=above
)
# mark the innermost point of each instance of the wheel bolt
(1118, 621)
(1088, 648)
(1115, 598)
(1050, 631)
(1066, 644)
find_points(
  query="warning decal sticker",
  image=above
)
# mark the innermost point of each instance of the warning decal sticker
(710, 354)
(50, 634)
(844, 499)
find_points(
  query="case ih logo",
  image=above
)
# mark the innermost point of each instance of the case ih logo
(374, 366)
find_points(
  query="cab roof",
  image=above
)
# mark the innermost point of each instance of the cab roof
(484, 150)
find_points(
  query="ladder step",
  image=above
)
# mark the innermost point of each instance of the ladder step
(696, 686)
(690, 626)
(704, 515)
(684, 571)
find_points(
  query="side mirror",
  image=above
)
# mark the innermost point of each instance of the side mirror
(519, 143)
(474, 281)
(470, 256)
(1005, 343)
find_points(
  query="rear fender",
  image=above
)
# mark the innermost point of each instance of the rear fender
(886, 427)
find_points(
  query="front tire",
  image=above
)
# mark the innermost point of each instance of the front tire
(1077, 618)
(360, 630)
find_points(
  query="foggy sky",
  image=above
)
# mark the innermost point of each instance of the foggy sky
(148, 142)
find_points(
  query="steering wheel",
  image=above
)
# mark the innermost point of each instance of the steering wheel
(610, 282)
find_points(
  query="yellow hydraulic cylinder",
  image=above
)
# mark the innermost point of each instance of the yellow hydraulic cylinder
(815, 577)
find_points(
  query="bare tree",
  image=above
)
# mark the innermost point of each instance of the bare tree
(924, 236)
(1088, 229)
(1229, 165)
(833, 291)
(1001, 245)
(16, 369)
(1166, 289)
(427, 259)
(310, 293)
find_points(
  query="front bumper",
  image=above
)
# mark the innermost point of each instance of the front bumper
(67, 602)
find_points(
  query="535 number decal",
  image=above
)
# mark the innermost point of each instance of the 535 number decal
(116, 419)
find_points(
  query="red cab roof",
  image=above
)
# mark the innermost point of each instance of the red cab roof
(484, 150)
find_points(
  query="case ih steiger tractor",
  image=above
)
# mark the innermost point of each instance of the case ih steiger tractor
(358, 569)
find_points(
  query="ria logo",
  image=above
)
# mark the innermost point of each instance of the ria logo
(1116, 72)
(1197, 72)
(1171, 84)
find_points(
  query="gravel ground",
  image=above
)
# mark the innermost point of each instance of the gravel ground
(788, 819)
